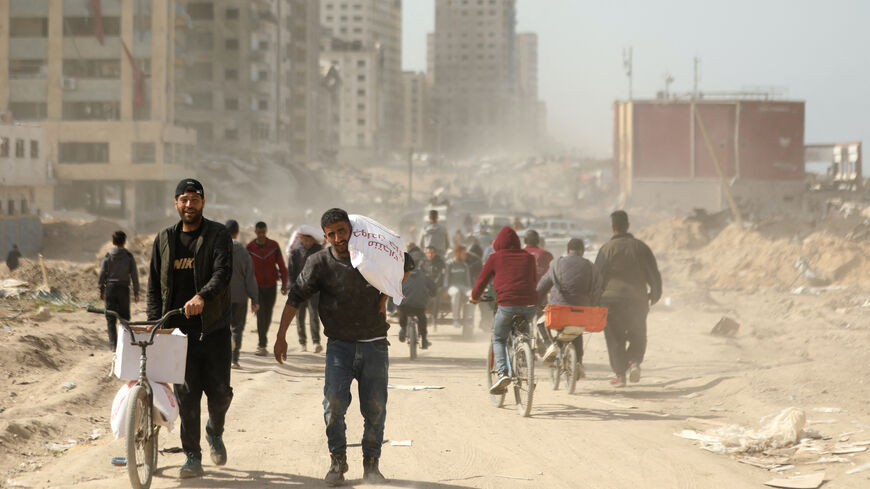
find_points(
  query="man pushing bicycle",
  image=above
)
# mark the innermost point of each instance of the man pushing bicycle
(513, 274)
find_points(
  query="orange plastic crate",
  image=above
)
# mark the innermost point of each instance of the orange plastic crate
(592, 319)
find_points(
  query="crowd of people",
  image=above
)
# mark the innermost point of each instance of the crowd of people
(199, 265)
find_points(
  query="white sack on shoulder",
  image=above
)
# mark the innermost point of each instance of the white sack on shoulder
(165, 407)
(295, 238)
(379, 255)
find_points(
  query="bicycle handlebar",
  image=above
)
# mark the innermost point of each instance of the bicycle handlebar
(127, 324)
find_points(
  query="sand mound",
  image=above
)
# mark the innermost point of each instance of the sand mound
(745, 259)
(79, 281)
(677, 233)
(66, 239)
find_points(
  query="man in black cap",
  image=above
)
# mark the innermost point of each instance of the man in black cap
(191, 267)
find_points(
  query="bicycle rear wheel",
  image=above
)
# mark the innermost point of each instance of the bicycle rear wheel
(524, 369)
(491, 376)
(141, 439)
(556, 373)
(412, 338)
(569, 366)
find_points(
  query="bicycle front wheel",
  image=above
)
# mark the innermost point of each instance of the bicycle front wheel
(141, 439)
(524, 369)
(556, 373)
(412, 338)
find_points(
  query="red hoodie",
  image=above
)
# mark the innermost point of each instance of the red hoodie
(513, 269)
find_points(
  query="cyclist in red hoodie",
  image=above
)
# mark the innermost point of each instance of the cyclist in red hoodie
(513, 273)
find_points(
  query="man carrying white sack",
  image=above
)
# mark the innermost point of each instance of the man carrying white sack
(354, 321)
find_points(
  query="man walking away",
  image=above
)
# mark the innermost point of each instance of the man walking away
(542, 257)
(417, 288)
(117, 270)
(191, 268)
(457, 281)
(298, 257)
(268, 267)
(13, 257)
(243, 285)
(571, 281)
(632, 283)
(435, 235)
(354, 320)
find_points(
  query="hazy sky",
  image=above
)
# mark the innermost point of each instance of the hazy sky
(816, 50)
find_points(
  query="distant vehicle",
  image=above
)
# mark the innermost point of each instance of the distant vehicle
(557, 231)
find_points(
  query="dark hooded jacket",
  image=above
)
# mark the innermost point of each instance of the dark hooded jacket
(512, 271)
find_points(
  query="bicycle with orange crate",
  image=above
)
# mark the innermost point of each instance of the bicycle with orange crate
(569, 322)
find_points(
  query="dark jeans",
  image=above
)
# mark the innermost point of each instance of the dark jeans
(369, 364)
(264, 314)
(309, 306)
(118, 300)
(435, 306)
(419, 313)
(626, 323)
(238, 316)
(208, 371)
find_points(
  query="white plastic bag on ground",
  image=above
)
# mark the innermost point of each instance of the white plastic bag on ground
(165, 407)
(777, 431)
(379, 255)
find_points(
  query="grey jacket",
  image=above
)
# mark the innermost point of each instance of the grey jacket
(118, 268)
(243, 284)
(417, 288)
(571, 281)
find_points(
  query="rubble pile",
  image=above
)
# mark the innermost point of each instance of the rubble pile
(676, 233)
(71, 279)
(746, 259)
(66, 239)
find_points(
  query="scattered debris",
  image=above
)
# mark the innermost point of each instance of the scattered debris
(726, 327)
(96, 434)
(69, 385)
(16, 483)
(42, 314)
(119, 461)
(401, 443)
(777, 431)
(60, 447)
(690, 395)
(843, 450)
(807, 481)
(860, 468)
(414, 387)
(827, 410)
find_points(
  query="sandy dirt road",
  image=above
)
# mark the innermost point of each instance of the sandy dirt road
(600, 437)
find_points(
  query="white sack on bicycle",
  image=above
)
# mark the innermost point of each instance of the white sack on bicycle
(378, 253)
(165, 405)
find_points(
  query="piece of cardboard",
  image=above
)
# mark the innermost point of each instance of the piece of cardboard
(807, 481)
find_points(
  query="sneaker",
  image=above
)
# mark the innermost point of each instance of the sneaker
(317, 348)
(550, 354)
(371, 472)
(261, 351)
(500, 386)
(218, 450)
(337, 468)
(425, 344)
(401, 335)
(191, 468)
(235, 365)
(617, 382)
(634, 372)
(303, 347)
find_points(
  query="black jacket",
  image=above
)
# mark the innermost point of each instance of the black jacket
(212, 271)
(118, 268)
(297, 258)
